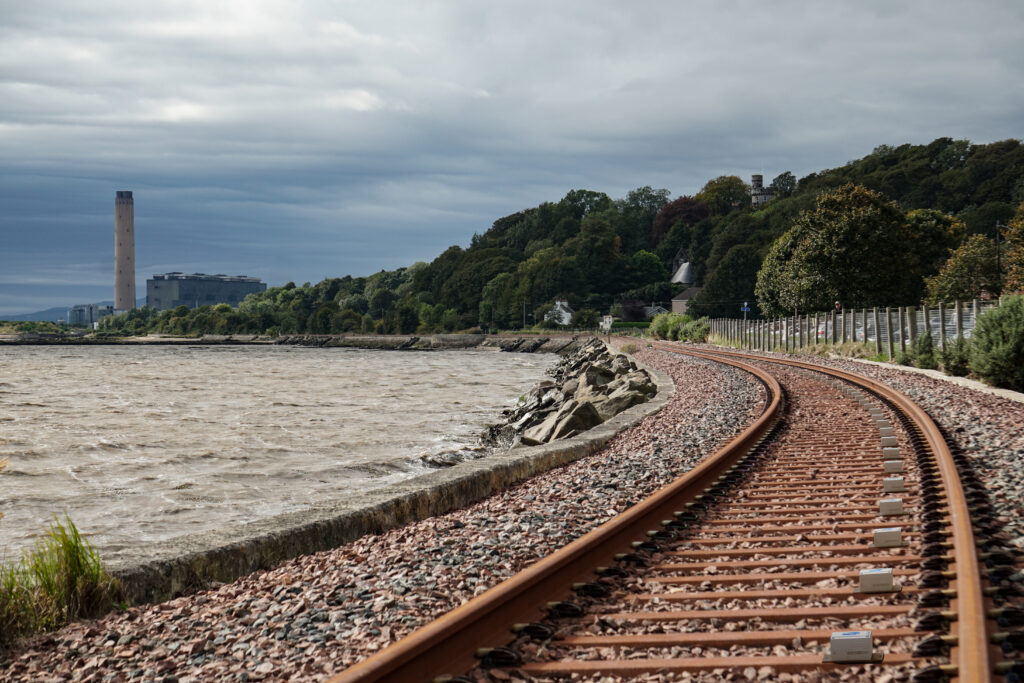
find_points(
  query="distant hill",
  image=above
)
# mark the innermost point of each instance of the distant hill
(54, 314)
(599, 254)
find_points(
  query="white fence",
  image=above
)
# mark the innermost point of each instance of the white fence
(890, 329)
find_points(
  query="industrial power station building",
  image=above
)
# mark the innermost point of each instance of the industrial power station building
(170, 290)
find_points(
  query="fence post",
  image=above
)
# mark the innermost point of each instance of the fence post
(878, 337)
(926, 322)
(888, 329)
(842, 326)
(903, 334)
(959, 319)
(942, 326)
(911, 324)
(974, 323)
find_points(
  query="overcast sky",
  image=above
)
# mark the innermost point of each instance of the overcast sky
(300, 140)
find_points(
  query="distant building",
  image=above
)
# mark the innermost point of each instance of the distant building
(653, 310)
(170, 290)
(88, 314)
(681, 301)
(759, 194)
(561, 313)
(682, 271)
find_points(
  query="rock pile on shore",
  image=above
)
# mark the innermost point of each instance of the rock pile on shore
(588, 387)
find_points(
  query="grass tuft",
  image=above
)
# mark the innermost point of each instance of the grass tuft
(61, 579)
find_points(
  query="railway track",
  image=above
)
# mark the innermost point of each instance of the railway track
(833, 539)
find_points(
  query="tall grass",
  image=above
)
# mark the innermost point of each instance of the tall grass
(61, 579)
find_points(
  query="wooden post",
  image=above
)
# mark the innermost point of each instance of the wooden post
(942, 326)
(959, 319)
(911, 324)
(888, 329)
(903, 334)
(926, 323)
(814, 339)
(878, 336)
(976, 311)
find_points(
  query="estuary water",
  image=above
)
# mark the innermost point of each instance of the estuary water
(145, 443)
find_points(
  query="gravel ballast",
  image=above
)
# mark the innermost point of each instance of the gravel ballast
(317, 614)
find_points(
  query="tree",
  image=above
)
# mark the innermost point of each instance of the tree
(581, 203)
(685, 210)
(492, 313)
(633, 310)
(850, 248)
(381, 302)
(970, 271)
(638, 212)
(725, 193)
(585, 319)
(783, 185)
(1013, 254)
(645, 268)
(729, 285)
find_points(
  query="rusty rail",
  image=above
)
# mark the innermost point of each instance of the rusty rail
(447, 645)
(972, 653)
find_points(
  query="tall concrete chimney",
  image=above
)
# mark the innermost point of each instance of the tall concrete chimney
(124, 251)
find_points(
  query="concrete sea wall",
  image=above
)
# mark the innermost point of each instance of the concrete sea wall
(163, 570)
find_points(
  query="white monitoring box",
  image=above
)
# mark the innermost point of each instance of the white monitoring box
(890, 506)
(893, 484)
(893, 466)
(876, 581)
(850, 646)
(889, 537)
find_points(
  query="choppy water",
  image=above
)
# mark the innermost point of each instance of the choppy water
(140, 444)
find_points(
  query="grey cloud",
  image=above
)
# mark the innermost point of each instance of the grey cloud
(299, 140)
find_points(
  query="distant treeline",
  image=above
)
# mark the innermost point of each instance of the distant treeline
(902, 209)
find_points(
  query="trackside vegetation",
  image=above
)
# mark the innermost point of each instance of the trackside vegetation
(61, 579)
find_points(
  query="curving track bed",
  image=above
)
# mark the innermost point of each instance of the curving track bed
(830, 541)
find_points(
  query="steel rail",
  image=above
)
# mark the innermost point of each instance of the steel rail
(448, 644)
(972, 655)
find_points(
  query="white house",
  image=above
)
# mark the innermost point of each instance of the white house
(561, 313)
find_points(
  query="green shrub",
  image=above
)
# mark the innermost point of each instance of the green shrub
(956, 358)
(659, 327)
(695, 330)
(923, 352)
(997, 349)
(59, 580)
